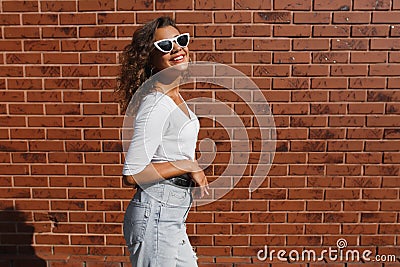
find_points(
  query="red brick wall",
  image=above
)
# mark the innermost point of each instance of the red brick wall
(329, 69)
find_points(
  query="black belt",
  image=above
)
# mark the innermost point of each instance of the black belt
(183, 180)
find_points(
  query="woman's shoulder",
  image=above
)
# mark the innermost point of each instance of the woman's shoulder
(154, 99)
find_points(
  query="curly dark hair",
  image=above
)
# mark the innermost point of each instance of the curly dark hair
(135, 64)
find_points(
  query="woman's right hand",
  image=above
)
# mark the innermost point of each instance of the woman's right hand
(200, 178)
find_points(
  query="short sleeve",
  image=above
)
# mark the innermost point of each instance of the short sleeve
(150, 124)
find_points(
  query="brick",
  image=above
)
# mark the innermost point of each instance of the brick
(330, 57)
(58, 6)
(113, 45)
(134, 5)
(361, 205)
(292, 4)
(143, 17)
(78, 19)
(9, 19)
(271, 44)
(11, 121)
(342, 194)
(288, 205)
(97, 32)
(346, 70)
(305, 193)
(380, 96)
(272, 17)
(66, 109)
(384, 70)
(381, 146)
(328, 83)
(49, 193)
(27, 133)
(100, 5)
(270, 70)
(342, 5)
(89, 146)
(388, 17)
(364, 133)
(394, 31)
(246, 5)
(290, 109)
(47, 45)
(78, 71)
(216, 31)
(187, 17)
(314, 17)
(311, 44)
(44, 71)
(87, 239)
(380, 44)
(379, 194)
(60, 157)
(310, 70)
(310, 121)
(366, 57)
(350, 44)
(290, 83)
(42, 19)
(230, 17)
(322, 229)
(318, 205)
(10, 45)
(391, 133)
(252, 57)
(251, 31)
(21, 32)
(292, 31)
(371, 5)
(331, 31)
(369, 31)
(27, 58)
(59, 32)
(19, 6)
(364, 108)
(325, 157)
(183, 4)
(96, 58)
(351, 17)
(96, 84)
(62, 83)
(326, 134)
(213, 4)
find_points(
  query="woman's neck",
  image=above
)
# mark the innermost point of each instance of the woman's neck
(171, 89)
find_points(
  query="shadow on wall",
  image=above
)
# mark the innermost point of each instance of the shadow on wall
(16, 238)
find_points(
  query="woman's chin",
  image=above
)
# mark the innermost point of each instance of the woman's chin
(180, 67)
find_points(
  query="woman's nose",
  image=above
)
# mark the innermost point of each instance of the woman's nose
(176, 47)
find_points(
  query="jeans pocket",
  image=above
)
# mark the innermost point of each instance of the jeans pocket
(177, 197)
(135, 221)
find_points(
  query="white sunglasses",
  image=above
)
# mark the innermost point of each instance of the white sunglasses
(166, 45)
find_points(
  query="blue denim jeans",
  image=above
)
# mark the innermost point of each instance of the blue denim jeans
(154, 227)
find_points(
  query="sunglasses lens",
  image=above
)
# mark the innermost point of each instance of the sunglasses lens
(165, 45)
(183, 40)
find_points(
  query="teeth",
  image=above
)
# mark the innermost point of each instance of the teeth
(178, 58)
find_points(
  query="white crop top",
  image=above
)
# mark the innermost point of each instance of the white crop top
(162, 132)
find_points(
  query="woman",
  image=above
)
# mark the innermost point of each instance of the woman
(160, 161)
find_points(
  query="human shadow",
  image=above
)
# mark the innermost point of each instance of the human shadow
(16, 238)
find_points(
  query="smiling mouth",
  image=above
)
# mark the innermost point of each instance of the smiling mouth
(178, 58)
